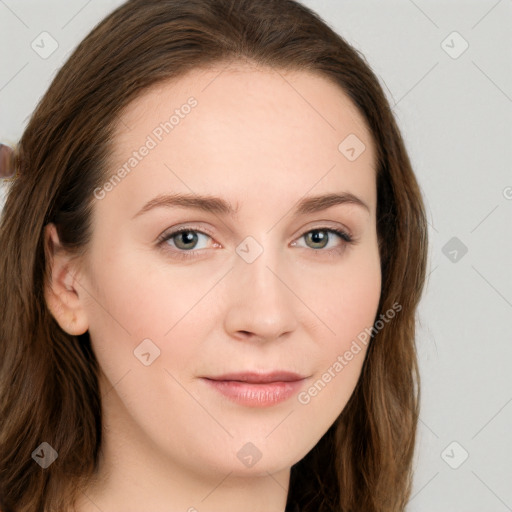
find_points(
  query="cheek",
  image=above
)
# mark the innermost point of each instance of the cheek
(354, 301)
(345, 297)
(347, 305)
(131, 303)
(139, 296)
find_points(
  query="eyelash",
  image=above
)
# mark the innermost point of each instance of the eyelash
(180, 253)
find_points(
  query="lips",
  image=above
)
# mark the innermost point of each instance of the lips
(259, 378)
(255, 389)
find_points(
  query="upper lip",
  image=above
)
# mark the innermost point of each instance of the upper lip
(256, 377)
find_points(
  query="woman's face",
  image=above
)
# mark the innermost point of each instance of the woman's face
(258, 283)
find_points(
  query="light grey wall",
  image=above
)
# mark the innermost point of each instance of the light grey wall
(454, 106)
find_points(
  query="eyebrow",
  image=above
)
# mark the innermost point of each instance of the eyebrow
(220, 206)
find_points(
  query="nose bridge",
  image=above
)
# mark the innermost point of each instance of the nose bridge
(258, 266)
(261, 303)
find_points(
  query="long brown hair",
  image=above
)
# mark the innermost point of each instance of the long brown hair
(48, 379)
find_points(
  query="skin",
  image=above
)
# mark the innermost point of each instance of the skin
(261, 139)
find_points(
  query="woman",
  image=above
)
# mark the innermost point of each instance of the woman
(212, 255)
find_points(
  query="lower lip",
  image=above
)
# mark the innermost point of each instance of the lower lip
(256, 395)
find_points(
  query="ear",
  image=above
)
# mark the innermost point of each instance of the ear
(62, 291)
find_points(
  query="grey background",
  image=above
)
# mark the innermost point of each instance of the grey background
(456, 116)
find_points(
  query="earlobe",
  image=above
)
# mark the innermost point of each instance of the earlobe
(62, 291)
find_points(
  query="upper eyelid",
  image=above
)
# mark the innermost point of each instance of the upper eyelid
(323, 224)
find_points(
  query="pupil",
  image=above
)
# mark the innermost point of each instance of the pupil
(187, 237)
(319, 237)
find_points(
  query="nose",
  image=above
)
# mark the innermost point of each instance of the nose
(261, 304)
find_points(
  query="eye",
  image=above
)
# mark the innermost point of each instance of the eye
(184, 239)
(183, 242)
(320, 238)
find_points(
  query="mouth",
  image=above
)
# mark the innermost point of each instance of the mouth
(258, 378)
(253, 389)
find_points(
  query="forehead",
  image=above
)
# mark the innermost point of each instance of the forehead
(249, 129)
